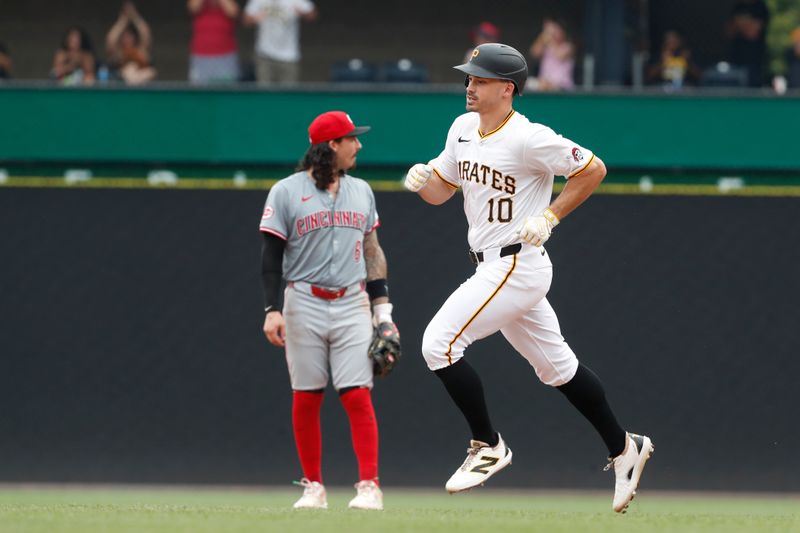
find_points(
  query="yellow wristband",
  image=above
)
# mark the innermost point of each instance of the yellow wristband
(550, 216)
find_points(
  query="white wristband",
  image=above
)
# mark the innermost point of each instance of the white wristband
(382, 313)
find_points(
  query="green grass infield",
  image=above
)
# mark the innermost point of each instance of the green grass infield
(82, 509)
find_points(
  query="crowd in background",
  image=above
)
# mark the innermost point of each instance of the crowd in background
(214, 53)
(6, 65)
(552, 55)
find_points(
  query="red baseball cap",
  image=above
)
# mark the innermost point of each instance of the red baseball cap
(333, 125)
(486, 30)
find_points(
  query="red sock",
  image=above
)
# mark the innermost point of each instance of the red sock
(307, 433)
(364, 430)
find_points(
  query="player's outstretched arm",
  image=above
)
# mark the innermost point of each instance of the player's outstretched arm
(422, 180)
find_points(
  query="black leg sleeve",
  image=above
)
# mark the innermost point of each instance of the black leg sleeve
(465, 388)
(586, 393)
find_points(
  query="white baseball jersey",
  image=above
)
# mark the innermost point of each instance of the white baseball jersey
(505, 174)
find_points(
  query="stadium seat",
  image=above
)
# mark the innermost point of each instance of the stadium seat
(404, 71)
(354, 70)
(724, 74)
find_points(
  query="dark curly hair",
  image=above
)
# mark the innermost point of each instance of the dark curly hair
(322, 159)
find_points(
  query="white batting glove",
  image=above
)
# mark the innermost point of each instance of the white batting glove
(418, 177)
(537, 228)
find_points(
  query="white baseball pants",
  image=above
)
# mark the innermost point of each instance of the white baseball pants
(505, 294)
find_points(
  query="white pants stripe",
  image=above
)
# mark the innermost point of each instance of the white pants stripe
(481, 308)
(506, 295)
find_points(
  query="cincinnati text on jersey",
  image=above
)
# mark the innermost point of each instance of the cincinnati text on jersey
(326, 219)
(485, 175)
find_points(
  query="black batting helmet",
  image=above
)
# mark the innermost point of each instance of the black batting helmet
(497, 61)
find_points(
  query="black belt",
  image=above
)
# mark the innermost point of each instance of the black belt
(511, 249)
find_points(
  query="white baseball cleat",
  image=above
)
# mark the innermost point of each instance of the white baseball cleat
(368, 496)
(482, 462)
(628, 468)
(313, 497)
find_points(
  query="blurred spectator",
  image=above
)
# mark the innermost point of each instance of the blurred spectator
(674, 66)
(215, 54)
(483, 33)
(74, 61)
(6, 65)
(556, 56)
(747, 31)
(278, 41)
(128, 47)
(793, 61)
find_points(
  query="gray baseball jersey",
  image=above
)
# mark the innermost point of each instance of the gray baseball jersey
(324, 247)
(324, 236)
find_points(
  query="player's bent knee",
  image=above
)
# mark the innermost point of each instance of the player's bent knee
(434, 350)
(556, 375)
(554, 380)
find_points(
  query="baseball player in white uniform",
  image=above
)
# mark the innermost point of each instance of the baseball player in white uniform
(505, 165)
(319, 227)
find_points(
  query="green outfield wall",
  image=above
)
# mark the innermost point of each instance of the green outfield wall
(184, 125)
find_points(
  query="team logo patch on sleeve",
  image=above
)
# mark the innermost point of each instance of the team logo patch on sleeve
(577, 155)
(268, 212)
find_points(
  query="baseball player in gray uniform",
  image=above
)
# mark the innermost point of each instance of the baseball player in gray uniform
(505, 165)
(319, 229)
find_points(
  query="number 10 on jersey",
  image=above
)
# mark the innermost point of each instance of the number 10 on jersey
(501, 209)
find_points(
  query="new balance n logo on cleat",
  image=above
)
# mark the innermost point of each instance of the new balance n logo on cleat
(482, 468)
(482, 462)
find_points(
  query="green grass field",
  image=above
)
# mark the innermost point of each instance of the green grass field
(108, 509)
